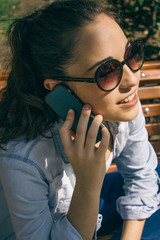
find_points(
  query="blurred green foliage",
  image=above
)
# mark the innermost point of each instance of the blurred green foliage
(146, 12)
(141, 18)
(153, 6)
(7, 13)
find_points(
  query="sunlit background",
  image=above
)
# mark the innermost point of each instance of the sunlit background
(140, 19)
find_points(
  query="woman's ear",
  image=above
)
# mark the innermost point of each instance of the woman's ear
(49, 84)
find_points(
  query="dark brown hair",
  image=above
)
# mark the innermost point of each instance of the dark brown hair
(41, 44)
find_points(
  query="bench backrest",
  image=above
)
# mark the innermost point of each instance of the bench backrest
(149, 94)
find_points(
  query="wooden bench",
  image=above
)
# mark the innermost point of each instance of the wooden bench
(149, 94)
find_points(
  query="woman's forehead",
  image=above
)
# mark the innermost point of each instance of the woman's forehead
(98, 40)
(104, 31)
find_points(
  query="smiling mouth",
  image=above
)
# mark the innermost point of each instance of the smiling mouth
(128, 99)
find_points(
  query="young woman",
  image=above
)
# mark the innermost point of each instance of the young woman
(53, 182)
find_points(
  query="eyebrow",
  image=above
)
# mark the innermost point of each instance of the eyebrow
(104, 60)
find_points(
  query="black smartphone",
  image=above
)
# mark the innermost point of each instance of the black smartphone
(61, 99)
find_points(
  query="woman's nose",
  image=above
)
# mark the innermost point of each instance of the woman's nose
(129, 78)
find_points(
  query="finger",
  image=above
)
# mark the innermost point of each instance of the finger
(92, 132)
(65, 130)
(104, 144)
(82, 127)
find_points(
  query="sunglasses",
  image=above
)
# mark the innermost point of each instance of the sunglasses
(109, 74)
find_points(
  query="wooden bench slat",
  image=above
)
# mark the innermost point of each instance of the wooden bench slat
(154, 109)
(156, 146)
(153, 128)
(152, 72)
(151, 65)
(150, 75)
(3, 84)
(149, 92)
(154, 81)
(3, 76)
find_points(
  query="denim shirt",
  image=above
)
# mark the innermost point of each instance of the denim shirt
(37, 183)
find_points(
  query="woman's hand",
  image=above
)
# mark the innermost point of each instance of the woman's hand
(87, 161)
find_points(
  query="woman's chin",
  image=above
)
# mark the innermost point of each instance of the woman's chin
(123, 115)
(129, 114)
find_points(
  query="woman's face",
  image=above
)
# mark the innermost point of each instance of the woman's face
(99, 40)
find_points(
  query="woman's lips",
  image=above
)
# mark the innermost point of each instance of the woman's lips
(129, 101)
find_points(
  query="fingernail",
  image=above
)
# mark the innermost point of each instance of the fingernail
(87, 107)
(100, 117)
(70, 112)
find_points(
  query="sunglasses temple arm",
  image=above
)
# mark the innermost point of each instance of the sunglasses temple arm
(75, 79)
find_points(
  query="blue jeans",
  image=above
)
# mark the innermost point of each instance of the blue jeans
(111, 190)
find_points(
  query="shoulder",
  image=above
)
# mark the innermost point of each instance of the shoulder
(40, 154)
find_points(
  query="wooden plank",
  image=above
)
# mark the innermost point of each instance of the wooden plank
(156, 146)
(154, 109)
(3, 84)
(149, 92)
(153, 128)
(152, 76)
(151, 65)
(3, 76)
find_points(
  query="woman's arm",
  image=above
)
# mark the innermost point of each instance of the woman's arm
(89, 167)
(132, 229)
(136, 164)
(83, 212)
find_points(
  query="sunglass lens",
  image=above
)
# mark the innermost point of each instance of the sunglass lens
(109, 75)
(135, 55)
